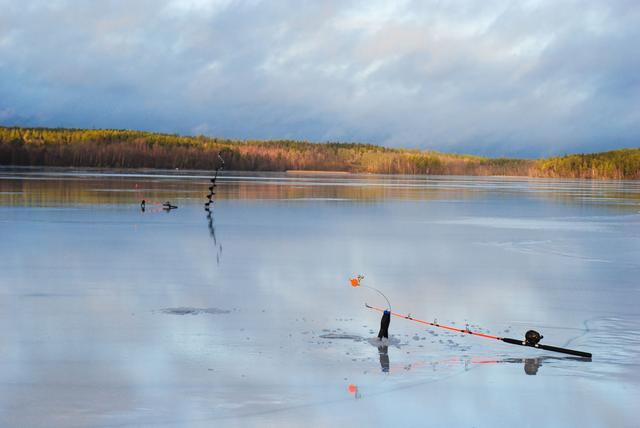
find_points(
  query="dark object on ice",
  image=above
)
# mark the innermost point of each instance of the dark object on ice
(384, 325)
(547, 347)
(167, 206)
(194, 311)
(212, 193)
(532, 337)
(143, 204)
(383, 351)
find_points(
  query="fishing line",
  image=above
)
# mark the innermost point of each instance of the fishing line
(357, 282)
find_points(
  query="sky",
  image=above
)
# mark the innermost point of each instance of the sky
(497, 78)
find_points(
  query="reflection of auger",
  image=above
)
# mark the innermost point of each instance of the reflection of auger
(213, 186)
(212, 232)
(207, 207)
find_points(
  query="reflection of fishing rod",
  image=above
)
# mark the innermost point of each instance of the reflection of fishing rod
(531, 364)
(531, 340)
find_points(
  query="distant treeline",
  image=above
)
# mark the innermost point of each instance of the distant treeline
(135, 149)
(616, 164)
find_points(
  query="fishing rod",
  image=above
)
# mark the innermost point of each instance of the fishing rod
(532, 337)
(357, 282)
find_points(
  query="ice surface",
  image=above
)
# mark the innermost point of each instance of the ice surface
(115, 317)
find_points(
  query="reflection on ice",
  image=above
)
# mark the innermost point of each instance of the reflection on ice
(533, 224)
(212, 233)
(385, 342)
(547, 247)
(383, 351)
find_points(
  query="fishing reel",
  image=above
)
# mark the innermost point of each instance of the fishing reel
(532, 337)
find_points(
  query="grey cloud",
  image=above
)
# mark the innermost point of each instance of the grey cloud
(491, 77)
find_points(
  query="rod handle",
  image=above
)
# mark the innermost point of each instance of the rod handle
(548, 348)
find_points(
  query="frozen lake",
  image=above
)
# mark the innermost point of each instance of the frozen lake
(111, 316)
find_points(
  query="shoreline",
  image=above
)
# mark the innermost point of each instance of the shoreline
(316, 171)
(70, 171)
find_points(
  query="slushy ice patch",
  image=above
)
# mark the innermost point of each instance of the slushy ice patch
(193, 311)
(338, 336)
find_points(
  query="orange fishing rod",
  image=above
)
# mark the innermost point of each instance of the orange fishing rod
(434, 324)
(532, 337)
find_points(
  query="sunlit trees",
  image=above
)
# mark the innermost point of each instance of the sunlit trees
(135, 149)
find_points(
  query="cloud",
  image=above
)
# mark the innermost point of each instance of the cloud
(492, 77)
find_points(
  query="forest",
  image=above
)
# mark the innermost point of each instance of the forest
(111, 148)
